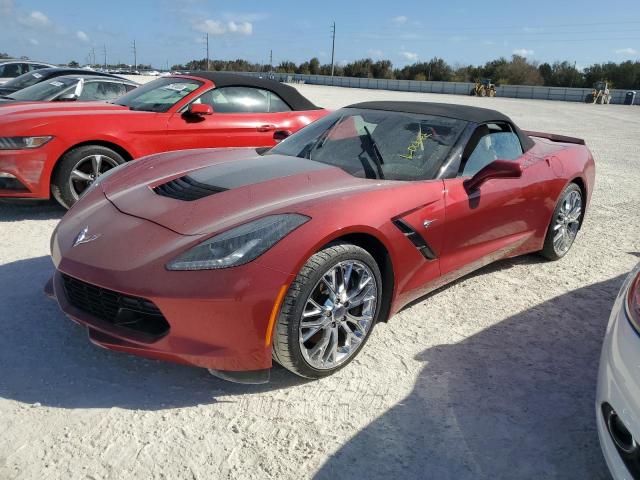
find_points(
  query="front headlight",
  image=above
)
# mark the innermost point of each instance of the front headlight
(632, 302)
(239, 245)
(22, 143)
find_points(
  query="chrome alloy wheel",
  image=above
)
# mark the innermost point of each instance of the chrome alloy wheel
(567, 222)
(338, 314)
(87, 170)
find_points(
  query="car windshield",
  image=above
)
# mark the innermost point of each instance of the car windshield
(377, 144)
(159, 95)
(44, 90)
(25, 80)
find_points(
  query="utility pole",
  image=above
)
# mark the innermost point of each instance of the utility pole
(135, 56)
(104, 51)
(573, 73)
(270, 60)
(333, 46)
(206, 39)
(93, 53)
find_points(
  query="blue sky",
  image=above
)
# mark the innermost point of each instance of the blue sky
(403, 31)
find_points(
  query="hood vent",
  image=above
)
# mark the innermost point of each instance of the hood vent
(186, 189)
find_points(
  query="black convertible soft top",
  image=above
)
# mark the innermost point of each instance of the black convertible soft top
(459, 112)
(290, 95)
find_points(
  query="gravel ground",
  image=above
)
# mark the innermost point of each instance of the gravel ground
(491, 377)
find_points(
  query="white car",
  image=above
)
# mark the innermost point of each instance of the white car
(618, 396)
(10, 68)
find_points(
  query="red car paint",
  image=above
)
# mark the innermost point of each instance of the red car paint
(134, 134)
(221, 319)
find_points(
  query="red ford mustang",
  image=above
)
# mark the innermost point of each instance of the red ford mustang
(224, 259)
(61, 148)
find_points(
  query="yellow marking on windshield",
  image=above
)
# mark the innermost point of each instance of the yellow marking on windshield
(418, 143)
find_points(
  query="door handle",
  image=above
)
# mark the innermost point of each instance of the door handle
(266, 128)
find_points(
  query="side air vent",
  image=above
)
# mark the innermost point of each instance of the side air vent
(418, 241)
(186, 189)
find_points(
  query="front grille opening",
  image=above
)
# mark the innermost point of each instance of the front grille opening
(187, 189)
(123, 311)
(623, 440)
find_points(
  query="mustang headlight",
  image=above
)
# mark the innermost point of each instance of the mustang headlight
(239, 245)
(22, 143)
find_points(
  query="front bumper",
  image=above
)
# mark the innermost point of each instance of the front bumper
(619, 386)
(218, 319)
(29, 171)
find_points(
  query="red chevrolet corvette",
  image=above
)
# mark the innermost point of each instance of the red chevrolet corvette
(225, 259)
(61, 148)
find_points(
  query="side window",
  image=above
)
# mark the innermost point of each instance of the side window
(101, 91)
(36, 66)
(490, 142)
(11, 70)
(243, 100)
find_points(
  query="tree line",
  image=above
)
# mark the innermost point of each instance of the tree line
(517, 70)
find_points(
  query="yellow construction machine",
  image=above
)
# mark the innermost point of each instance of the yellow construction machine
(483, 88)
(600, 93)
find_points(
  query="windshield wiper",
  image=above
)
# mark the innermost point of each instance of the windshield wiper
(377, 156)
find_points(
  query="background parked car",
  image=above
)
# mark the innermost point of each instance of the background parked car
(12, 68)
(42, 146)
(69, 88)
(618, 397)
(42, 75)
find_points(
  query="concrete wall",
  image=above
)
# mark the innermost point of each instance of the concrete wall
(453, 88)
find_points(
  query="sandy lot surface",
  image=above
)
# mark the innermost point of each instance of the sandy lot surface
(492, 377)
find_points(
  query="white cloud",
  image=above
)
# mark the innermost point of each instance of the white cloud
(375, 53)
(35, 19)
(34, 41)
(523, 52)
(82, 36)
(627, 51)
(245, 17)
(411, 56)
(399, 20)
(488, 42)
(242, 28)
(216, 27)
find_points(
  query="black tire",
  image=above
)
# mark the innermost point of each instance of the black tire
(286, 345)
(549, 250)
(473, 92)
(61, 186)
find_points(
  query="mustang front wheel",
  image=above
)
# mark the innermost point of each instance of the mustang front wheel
(78, 169)
(328, 312)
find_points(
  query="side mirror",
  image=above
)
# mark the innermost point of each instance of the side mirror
(67, 97)
(200, 109)
(496, 169)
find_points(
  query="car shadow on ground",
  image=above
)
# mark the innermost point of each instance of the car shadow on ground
(16, 210)
(47, 359)
(515, 400)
